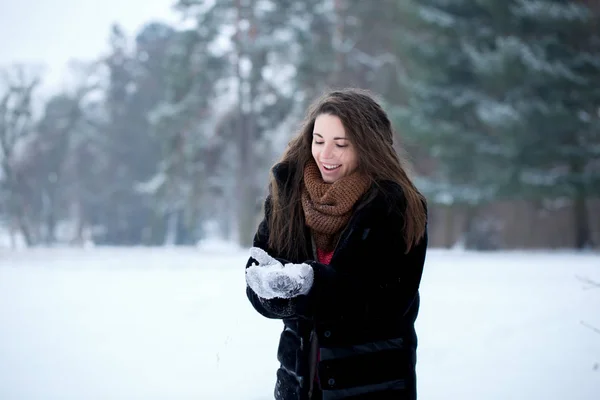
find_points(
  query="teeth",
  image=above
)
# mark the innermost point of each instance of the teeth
(331, 166)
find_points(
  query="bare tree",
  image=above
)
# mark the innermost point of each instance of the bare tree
(17, 87)
(63, 133)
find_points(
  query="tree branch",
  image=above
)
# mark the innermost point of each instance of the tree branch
(593, 328)
(592, 284)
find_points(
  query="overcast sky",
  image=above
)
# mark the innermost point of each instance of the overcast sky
(54, 31)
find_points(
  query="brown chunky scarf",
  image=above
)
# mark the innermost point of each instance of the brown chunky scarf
(328, 206)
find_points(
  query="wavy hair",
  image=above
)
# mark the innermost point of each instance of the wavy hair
(370, 131)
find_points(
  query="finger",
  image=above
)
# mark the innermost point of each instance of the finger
(252, 278)
(261, 256)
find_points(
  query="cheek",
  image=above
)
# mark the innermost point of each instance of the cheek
(351, 160)
(347, 157)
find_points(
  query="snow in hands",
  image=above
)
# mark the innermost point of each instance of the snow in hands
(271, 279)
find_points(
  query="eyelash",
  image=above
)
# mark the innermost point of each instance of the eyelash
(337, 145)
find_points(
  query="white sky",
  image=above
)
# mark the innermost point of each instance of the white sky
(53, 32)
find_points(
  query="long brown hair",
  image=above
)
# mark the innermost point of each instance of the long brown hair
(369, 129)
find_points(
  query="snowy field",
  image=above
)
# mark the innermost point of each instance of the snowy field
(175, 324)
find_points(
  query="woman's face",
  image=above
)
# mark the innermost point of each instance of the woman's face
(332, 150)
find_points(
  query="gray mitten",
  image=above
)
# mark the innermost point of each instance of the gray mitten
(270, 279)
(292, 280)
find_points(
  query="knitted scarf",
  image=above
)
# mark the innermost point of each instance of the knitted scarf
(328, 206)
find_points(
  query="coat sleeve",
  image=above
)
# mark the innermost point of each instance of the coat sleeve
(387, 284)
(297, 307)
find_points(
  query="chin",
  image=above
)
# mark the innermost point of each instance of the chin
(329, 179)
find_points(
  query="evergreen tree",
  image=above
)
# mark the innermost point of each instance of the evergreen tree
(136, 83)
(445, 96)
(502, 100)
(551, 64)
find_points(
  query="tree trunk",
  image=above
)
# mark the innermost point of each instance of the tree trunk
(76, 215)
(449, 212)
(24, 229)
(49, 210)
(171, 232)
(246, 131)
(583, 236)
(340, 15)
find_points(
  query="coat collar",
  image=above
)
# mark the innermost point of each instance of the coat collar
(282, 172)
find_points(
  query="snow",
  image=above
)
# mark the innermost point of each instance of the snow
(174, 323)
(216, 244)
(436, 16)
(552, 11)
(497, 114)
(152, 185)
(271, 279)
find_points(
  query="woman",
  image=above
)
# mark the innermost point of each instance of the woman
(339, 257)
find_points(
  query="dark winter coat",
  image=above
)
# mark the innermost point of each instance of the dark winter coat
(361, 309)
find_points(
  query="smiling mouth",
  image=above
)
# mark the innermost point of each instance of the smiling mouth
(331, 167)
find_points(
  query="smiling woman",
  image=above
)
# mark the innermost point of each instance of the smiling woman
(339, 257)
(333, 152)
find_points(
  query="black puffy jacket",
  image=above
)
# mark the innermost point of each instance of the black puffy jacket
(360, 312)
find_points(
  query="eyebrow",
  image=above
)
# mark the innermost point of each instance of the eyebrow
(335, 138)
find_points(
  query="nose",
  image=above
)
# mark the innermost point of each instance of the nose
(328, 149)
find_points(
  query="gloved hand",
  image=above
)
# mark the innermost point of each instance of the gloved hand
(263, 258)
(270, 278)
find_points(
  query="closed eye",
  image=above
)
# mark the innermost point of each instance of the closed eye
(337, 145)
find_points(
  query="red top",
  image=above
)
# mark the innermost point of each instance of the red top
(324, 257)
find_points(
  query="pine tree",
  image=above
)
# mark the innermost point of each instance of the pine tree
(136, 83)
(502, 99)
(557, 54)
(445, 99)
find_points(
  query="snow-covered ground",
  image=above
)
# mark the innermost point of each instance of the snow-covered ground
(175, 324)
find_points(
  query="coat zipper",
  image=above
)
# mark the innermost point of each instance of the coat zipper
(350, 223)
(345, 237)
(313, 335)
